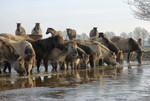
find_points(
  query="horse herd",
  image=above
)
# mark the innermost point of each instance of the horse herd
(23, 53)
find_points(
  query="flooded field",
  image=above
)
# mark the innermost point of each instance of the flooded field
(121, 83)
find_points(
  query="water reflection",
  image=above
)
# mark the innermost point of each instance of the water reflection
(62, 78)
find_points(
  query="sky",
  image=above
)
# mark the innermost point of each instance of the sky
(81, 15)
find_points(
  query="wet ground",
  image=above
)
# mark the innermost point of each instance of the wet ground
(121, 83)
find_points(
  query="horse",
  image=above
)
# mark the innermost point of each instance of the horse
(10, 55)
(101, 52)
(59, 56)
(36, 30)
(80, 56)
(129, 46)
(26, 51)
(15, 37)
(20, 30)
(21, 38)
(94, 32)
(71, 33)
(53, 32)
(88, 51)
(44, 47)
(73, 55)
(110, 45)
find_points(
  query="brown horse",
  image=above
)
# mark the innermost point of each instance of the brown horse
(128, 45)
(94, 33)
(7, 52)
(71, 33)
(79, 57)
(10, 55)
(21, 38)
(24, 49)
(20, 30)
(44, 47)
(53, 32)
(36, 30)
(101, 52)
(110, 45)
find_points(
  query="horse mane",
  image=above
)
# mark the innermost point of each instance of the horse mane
(86, 49)
(111, 45)
(134, 44)
(102, 46)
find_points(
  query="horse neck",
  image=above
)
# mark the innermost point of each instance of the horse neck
(19, 28)
(54, 32)
(111, 45)
(105, 50)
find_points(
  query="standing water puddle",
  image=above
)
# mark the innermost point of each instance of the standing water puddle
(96, 84)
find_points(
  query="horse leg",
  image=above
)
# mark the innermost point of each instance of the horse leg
(101, 62)
(45, 61)
(63, 65)
(54, 65)
(7, 65)
(92, 64)
(129, 57)
(38, 64)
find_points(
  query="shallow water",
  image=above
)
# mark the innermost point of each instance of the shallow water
(121, 83)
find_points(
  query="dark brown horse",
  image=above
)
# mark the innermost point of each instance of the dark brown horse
(129, 46)
(44, 47)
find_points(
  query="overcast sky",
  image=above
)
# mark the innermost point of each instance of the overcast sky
(81, 15)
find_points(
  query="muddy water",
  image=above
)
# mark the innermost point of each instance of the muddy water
(121, 83)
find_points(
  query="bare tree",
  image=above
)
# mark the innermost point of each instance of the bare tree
(144, 34)
(140, 33)
(137, 33)
(124, 35)
(130, 35)
(84, 36)
(140, 8)
(110, 34)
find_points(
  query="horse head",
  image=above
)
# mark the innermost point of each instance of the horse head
(120, 57)
(50, 30)
(37, 25)
(72, 48)
(111, 60)
(101, 34)
(19, 66)
(71, 33)
(29, 52)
